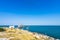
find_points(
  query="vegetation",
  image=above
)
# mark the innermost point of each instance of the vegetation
(1, 29)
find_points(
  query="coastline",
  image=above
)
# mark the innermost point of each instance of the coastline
(43, 30)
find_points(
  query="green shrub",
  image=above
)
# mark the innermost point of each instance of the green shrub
(1, 29)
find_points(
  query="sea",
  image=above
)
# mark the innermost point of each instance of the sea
(52, 31)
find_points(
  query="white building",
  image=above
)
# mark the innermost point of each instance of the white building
(11, 26)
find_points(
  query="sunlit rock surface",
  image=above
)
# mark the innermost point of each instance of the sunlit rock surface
(17, 34)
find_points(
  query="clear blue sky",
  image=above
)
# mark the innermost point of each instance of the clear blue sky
(41, 12)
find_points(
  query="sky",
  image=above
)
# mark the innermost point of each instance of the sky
(30, 12)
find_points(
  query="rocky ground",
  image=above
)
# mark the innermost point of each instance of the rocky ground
(17, 34)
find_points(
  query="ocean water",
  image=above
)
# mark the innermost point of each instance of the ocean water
(53, 31)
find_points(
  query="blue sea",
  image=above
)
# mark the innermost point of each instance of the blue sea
(53, 31)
